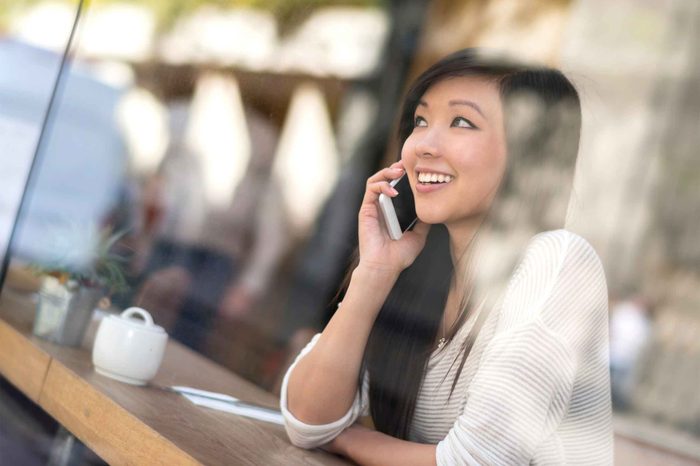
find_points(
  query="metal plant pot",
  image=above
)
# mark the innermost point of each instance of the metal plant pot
(64, 311)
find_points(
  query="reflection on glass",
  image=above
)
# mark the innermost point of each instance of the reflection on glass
(230, 144)
(213, 157)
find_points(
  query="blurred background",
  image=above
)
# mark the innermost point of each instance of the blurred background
(228, 142)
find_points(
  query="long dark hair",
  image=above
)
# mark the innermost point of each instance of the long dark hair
(406, 327)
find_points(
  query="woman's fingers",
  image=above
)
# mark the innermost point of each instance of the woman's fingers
(375, 189)
(390, 173)
(379, 182)
(383, 187)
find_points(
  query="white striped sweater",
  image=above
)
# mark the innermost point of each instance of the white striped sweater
(535, 388)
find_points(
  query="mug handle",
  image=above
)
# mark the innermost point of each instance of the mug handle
(141, 312)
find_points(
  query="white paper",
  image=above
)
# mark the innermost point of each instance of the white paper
(229, 404)
(197, 392)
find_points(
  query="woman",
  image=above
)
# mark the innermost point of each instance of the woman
(452, 371)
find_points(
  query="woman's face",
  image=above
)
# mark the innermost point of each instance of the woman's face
(456, 155)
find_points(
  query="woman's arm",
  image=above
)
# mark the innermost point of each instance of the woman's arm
(324, 383)
(368, 447)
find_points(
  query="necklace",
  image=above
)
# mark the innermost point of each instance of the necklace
(443, 339)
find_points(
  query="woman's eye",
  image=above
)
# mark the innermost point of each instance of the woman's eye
(419, 121)
(461, 122)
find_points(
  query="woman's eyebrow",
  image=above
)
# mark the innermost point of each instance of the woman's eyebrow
(451, 103)
(468, 103)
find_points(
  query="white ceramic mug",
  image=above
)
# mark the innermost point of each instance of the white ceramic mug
(127, 349)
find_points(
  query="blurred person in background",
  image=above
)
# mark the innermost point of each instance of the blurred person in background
(207, 262)
(630, 330)
(449, 369)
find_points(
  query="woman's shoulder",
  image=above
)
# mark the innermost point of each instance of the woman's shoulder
(557, 248)
(555, 266)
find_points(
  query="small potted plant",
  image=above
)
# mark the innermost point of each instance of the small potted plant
(70, 293)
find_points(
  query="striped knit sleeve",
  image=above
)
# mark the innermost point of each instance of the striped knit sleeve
(523, 386)
(311, 436)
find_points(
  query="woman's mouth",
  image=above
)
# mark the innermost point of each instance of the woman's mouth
(430, 181)
(433, 178)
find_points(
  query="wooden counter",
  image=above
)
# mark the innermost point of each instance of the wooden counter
(127, 424)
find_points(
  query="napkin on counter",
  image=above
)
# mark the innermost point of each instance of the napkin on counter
(229, 404)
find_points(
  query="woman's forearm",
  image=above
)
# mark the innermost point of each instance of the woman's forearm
(323, 385)
(368, 447)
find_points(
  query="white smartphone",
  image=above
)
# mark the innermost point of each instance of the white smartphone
(399, 212)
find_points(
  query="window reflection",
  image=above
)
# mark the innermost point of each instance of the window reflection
(232, 144)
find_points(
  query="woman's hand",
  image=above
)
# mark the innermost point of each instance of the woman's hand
(377, 250)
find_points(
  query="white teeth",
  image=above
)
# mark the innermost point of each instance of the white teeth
(424, 177)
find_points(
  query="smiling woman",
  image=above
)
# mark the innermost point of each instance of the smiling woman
(451, 373)
(454, 138)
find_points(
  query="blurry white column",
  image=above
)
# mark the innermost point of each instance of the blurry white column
(143, 119)
(103, 32)
(45, 25)
(218, 134)
(307, 160)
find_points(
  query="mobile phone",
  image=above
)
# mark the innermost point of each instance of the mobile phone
(399, 212)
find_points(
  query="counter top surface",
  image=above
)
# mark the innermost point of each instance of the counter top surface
(127, 424)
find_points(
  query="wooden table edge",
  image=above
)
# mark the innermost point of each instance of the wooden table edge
(22, 362)
(111, 431)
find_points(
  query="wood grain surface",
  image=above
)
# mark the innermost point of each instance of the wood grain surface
(21, 362)
(127, 424)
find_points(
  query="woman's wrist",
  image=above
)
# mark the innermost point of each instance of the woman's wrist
(368, 289)
(380, 274)
(377, 280)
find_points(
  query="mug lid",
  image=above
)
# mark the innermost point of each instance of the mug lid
(147, 323)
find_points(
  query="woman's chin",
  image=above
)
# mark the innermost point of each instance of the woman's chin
(431, 218)
(434, 217)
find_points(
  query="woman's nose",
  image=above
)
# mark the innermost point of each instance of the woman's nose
(428, 145)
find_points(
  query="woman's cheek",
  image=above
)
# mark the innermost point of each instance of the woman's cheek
(406, 157)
